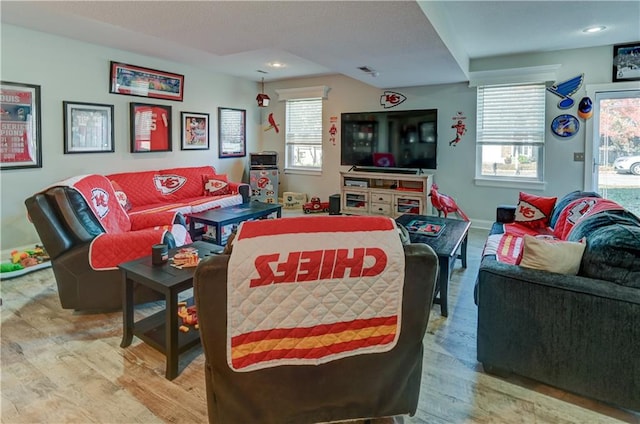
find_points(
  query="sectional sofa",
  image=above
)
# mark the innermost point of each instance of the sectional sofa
(576, 332)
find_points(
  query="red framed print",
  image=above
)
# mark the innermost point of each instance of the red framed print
(20, 127)
(145, 82)
(194, 130)
(150, 127)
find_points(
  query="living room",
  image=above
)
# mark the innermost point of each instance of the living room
(72, 70)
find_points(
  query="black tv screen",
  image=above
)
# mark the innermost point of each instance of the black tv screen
(394, 139)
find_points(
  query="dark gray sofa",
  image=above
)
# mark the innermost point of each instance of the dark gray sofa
(578, 333)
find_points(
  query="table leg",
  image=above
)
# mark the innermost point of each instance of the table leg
(463, 250)
(443, 283)
(127, 310)
(218, 234)
(171, 335)
(192, 228)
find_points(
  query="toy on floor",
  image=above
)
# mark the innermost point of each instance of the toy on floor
(189, 316)
(25, 261)
(315, 205)
(445, 204)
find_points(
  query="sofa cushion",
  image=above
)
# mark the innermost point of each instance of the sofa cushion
(121, 196)
(563, 202)
(186, 182)
(534, 211)
(215, 185)
(551, 255)
(591, 223)
(613, 254)
(139, 187)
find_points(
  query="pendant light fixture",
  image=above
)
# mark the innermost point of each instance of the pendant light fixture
(262, 99)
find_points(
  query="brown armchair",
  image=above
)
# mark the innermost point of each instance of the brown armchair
(68, 229)
(364, 384)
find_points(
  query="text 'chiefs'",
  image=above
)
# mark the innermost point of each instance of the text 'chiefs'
(317, 265)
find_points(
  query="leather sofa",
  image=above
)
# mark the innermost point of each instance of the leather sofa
(368, 385)
(579, 332)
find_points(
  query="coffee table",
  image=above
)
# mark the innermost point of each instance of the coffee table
(454, 236)
(160, 330)
(221, 217)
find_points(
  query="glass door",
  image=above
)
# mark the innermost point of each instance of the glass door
(616, 147)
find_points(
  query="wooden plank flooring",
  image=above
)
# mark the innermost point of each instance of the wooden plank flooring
(60, 366)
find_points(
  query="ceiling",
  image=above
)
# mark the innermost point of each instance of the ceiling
(404, 43)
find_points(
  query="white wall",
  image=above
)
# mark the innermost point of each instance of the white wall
(456, 164)
(69, 70)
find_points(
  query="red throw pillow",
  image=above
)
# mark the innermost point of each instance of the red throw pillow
(534, 211)
(121, 196)
(215, 185)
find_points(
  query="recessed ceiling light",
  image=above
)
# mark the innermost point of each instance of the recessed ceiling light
(594, 29)
(276, 65)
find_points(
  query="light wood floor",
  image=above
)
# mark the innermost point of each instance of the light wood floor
(59, 366)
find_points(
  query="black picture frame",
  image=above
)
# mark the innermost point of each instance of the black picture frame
(232, 132)
(88, 127)
(131, 80)
(626, 62)
(150, 128)
(194, 131)
(21, 126)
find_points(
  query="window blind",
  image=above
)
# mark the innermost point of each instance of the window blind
(304, 121)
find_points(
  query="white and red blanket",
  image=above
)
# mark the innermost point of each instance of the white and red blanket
(310, 290)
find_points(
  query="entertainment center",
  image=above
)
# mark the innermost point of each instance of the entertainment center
(367, 191)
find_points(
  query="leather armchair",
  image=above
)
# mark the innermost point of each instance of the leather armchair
(370, 385)
(67, 226)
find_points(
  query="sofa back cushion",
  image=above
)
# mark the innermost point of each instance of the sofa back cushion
(138, 186)
(564, 201)
(187, 181)
(578, 210)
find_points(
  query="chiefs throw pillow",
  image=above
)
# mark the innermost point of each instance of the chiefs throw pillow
(121, 196)
(534, 211)
(215, 185)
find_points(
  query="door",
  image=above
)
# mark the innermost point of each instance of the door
(616, 147)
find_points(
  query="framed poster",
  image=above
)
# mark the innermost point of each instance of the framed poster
(145, 82)
(150, 127)
(20, 126)
(88, 127)
(232, 139)
(194, 128)
(626, 62)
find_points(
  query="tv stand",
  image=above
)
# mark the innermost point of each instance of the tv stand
(384, 193)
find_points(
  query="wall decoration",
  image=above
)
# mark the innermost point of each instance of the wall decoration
(145, 82)
(565, 125)
(194, 128)
(585, 108)
(460, 127)
(88, 127)
(565, 90)
(626, 62)
(150, 127)
(20, 127)
(272, 124)
(391, 99)
(232, 129)
(333, 130)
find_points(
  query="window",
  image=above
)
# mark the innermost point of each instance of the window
(510, 132)
(303, 135)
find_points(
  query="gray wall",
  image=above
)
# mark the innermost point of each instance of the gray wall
(69, 70)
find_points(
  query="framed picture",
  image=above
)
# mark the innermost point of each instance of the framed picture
(194, 128)
(626, 62)
(20, 126)
(144, 82)
(88, 127)
(150, 127)
(232, 139)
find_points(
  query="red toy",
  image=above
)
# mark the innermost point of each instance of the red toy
(315, 205)
(445, 204)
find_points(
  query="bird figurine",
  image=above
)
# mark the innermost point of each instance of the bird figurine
(445, 204)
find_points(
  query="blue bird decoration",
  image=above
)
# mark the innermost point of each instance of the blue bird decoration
(566, 89)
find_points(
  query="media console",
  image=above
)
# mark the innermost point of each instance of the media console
(384, 193)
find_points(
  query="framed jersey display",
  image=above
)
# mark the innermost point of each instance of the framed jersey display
(150, 128)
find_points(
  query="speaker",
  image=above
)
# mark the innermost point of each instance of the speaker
(334, 204)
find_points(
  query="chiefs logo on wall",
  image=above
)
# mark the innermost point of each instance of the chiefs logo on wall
(167, 184)
(391, 99)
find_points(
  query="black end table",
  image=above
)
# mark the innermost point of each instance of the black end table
(454, 236)
(161, 330)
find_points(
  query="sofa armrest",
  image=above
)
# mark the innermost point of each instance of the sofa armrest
(242, 188)
(505, 214)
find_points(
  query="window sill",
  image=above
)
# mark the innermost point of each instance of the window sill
(297, 171)
(510, 183)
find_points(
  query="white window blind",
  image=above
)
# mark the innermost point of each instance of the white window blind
(303, 134)
(511, 114)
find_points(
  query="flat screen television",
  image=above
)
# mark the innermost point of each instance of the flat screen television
(390, 139)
